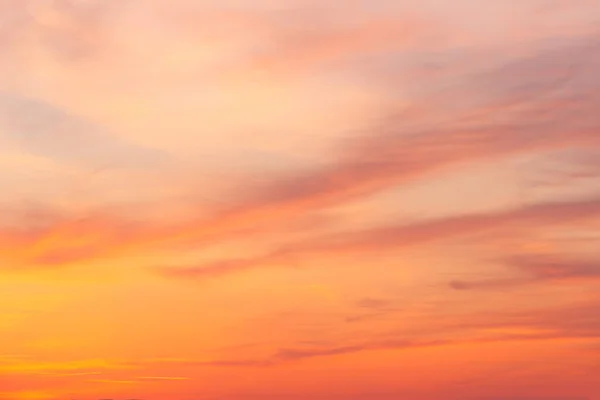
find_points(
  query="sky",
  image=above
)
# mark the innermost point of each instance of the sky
(298, 200)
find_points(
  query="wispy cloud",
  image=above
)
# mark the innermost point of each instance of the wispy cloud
(574, 322)
(45, 130)
(58, 368)
(539, 268)
(409, 235)
(374, 143)
(163, 378)
(540, 106)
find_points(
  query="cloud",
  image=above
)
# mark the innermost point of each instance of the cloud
(43, 129)
(483, 105)
(61, 239)
(576, 321)
(192, 362)
(407, 147)
(65, 240)
(58, 368)
(525, 105)
(296, 48)
(371, 303)
(288, 355)
(538, 268)
(406, 235)
(163, 378)
(533, 398)
(68, 31)
(295, 354)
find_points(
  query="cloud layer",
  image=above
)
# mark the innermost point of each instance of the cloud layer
(370, 191)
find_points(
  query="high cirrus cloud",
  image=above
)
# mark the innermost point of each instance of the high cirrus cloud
(409, 235)
(537, 268)
(547, 108)
(522, 105)
(45, 130)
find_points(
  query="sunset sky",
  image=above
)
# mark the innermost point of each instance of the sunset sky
(298, 200)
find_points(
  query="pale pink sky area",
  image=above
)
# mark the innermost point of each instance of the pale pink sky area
(298, 200)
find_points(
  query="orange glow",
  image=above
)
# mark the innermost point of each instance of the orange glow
(299, 200)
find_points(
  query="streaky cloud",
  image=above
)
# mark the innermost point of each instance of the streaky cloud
(405, 235)
(48, 131)
(539, 268)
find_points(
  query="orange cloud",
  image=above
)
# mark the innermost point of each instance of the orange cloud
(539, 269)
(377, 331)
(58, 368)
(534, 116)
(406, 235)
